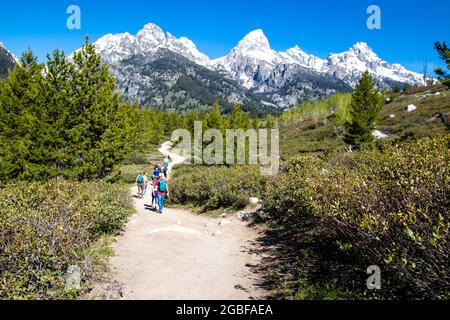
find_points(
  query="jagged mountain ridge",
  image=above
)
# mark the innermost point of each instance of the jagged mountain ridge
(349, 66)
(151, 38)
(258, 75)
(253, 53)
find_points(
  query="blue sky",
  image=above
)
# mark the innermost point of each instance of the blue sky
(320, 27)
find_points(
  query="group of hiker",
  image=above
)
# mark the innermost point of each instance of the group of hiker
(158, 185)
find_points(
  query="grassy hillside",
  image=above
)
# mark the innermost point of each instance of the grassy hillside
(322, 131)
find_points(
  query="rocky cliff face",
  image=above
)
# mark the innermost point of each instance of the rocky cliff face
(7, 61)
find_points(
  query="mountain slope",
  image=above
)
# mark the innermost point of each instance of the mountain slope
(7, 61)
(168, 80)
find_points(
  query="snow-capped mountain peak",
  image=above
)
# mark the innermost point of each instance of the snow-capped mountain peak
(254, 40)
(295, 55)
(364, 52)
(358, 55)
(116, 47)
(150, 37)
(349, 66)
(362, 46)
(255, 47)
(152, 27)
(252, 55)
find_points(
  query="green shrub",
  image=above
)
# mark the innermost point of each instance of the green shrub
(46, 227)
(128, 173)
(387, 208)
(215, 187)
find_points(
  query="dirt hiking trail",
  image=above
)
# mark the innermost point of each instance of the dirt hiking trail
(180, 255)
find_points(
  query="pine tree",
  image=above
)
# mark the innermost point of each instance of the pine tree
(364, 109)
(406, 87)
(65, 122)
(444, 54)
(213, 119)
(20, 125)
(238, 119)
(56, 95)
(99, 122)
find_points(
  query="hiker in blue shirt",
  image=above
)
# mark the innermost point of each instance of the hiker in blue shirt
(156, 173)
(162, 192)
(140, 182)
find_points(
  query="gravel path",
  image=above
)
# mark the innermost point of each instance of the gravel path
(180, 255)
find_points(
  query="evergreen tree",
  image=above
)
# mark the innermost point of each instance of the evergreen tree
(56, 95)
(238, 119)
(64, 122)
(406, 87)
(364, 109)
(101, 127)
(444, 54)
(213, 119)
(190, 119)
(20, 124)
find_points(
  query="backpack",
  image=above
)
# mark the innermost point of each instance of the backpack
(162, 186)
(140, 179)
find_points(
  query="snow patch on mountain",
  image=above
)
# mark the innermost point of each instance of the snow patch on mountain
(13, 56)
(296, 55)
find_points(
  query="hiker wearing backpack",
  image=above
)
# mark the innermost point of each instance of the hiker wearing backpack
(166, 166)
(162, 192)
(156, 173)
(140, 184)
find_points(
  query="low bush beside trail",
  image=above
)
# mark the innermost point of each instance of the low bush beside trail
(386, 208)
(214, 187)
(47, 227)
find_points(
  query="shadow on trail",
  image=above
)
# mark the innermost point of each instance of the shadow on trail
(148, 207)
(267, 249)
